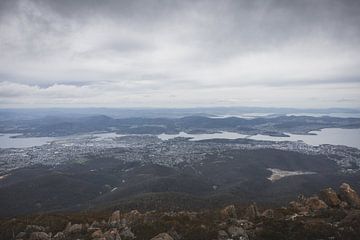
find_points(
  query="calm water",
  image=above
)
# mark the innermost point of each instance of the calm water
(256, 115)
(335, 136)
(6, 141)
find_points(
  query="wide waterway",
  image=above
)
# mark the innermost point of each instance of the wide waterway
(334, 136)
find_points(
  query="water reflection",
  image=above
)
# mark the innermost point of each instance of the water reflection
(334, 136)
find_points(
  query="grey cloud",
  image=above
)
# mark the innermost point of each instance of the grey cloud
(163, 48)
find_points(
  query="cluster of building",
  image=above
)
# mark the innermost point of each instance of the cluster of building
(149, 148)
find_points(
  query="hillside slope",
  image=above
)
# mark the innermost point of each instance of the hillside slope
(328, 215)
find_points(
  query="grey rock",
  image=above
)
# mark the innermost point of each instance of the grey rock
(127, 234)
(245, 224)
(174, 234)
(349, 195)
(34, 228)
(252, 212)
(314, 204)
(228, 212)
(237, 233)
(344, 205)
(330, 197)
(112, 234)
(95, 224)
(299, 208)
(114, 218)
(268, 213)
(162, 236)
(131, 217)
(20, 235)
(73, 228)
(97, 234)
(59, 236)
(39, 236)
(222, 235)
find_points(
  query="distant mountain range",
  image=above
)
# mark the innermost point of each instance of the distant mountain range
(31, 113)
(70, 124)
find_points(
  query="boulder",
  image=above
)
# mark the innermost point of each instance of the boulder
(112, 234)
(131, 217)
(59, 236)
(174, 234)
(34, 228)
(222, 235)
(298, 208)
(95, 224)
(162, 236)
(97, 234)
(237, 222)
(73, 228)
(67, 227)
(237, 233)
(301, 198)
(228, 212)
(245, 224)
(251, 212)
(115, 217)
(314, 203)
(269, 213)
(349, 195)
(344, 205)
(330, 197)
(20, 235)
(127, 234)
(39, 236)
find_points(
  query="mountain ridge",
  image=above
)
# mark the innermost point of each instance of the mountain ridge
(327, 215)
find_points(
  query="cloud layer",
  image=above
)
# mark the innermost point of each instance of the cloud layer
(179, 53)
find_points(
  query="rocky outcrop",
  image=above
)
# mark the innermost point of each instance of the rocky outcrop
(222, 235)
(112, 234)
(34, 228)
(236, 232)
(97, 234)
(20, 235)
(73, 229)
(315, 204)
(59, 236)
(305, 206)
(39, 236)
(228, 212)
(330, 216)
(131, 217)
(349, 195)
(330, 197)
(114, 218)
(298, 207)
(127, 233)
(251, 212)
(268, 213)
(162, 236)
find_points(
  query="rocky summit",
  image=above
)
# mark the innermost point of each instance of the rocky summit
(329, 215)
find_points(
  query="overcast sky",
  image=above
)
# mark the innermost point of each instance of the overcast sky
(89, 53)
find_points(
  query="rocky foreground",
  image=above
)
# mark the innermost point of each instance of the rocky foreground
(329, 215)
